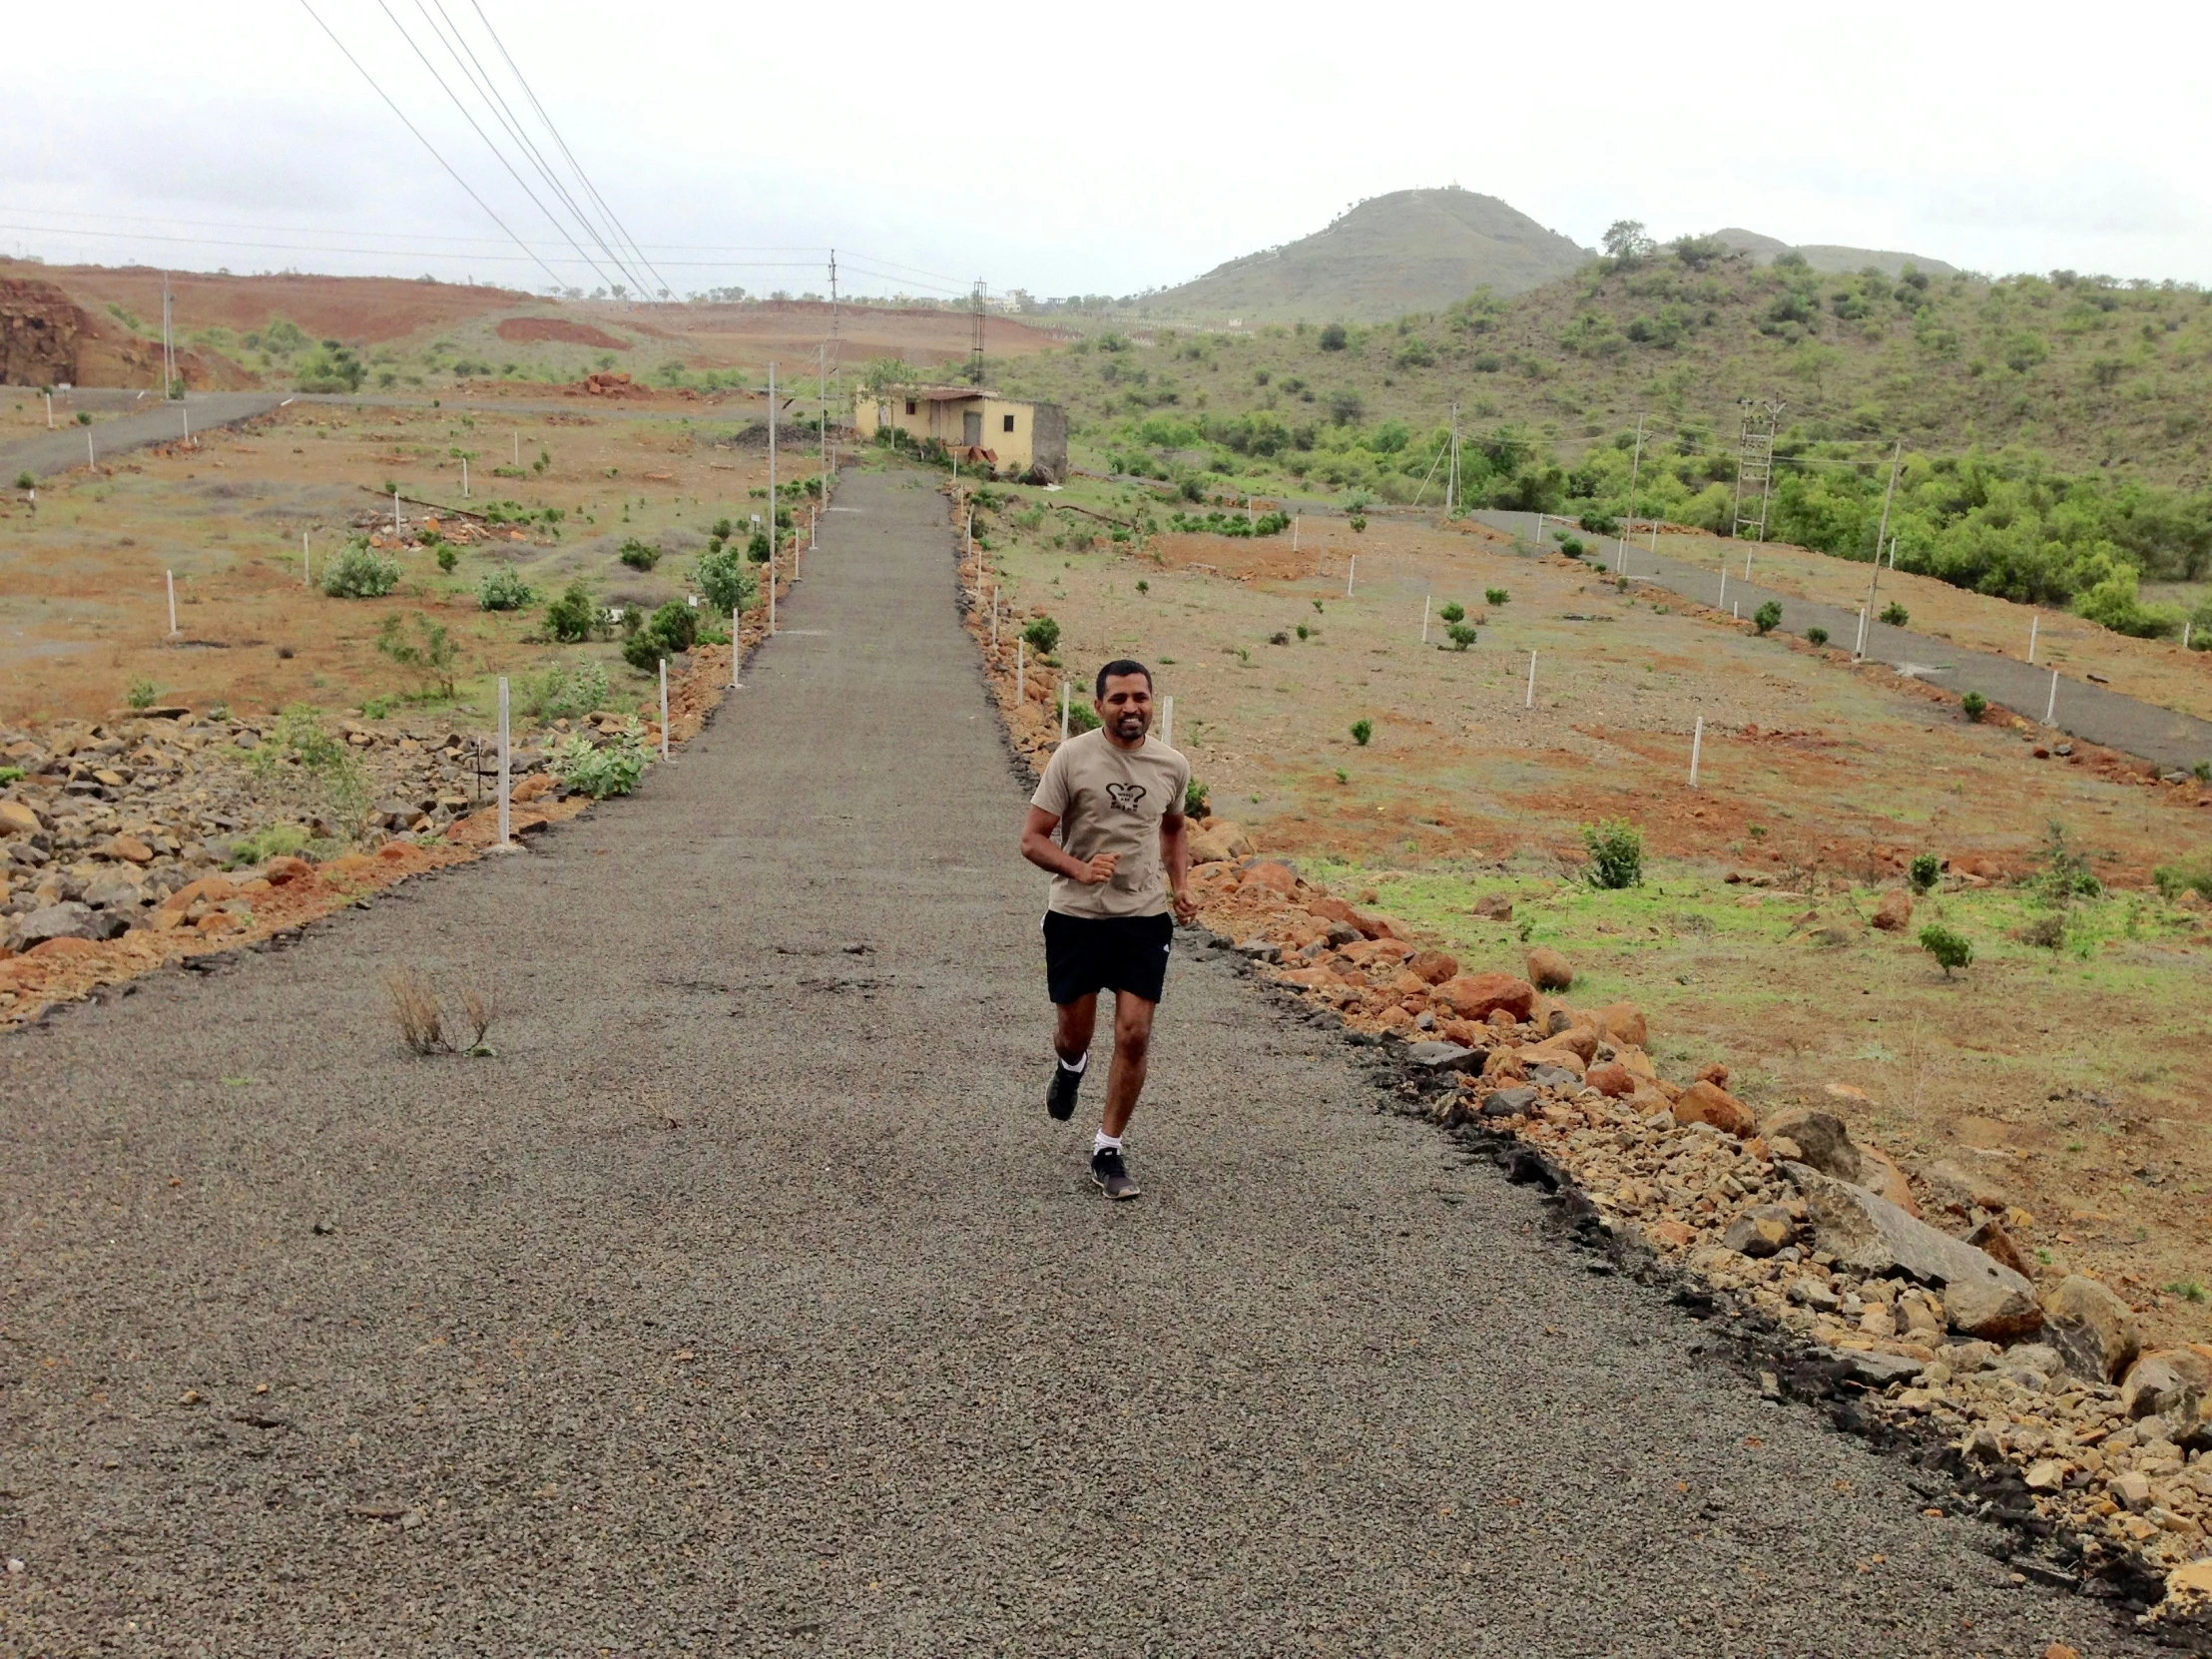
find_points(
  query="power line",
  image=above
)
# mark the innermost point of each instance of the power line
(527, 255)
(590, 189)
(426, 144)
(473, 71)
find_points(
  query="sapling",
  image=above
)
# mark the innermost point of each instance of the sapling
(1949, 948)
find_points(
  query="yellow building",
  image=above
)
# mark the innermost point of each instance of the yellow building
(1010, 433)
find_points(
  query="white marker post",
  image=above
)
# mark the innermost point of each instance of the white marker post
(184, 411)
(813, 522)
(2035, 622)
(1424, 598)
(1063, 711)
(1859, 647)
(1747, 564)
(1167, 720)
(307, 563)
(518, 451)
(1297, 520)
(1538, 537)
(397, 528)
(1724, 587)
(2050, 709)
(1529, 702)
(91, 465)
(49, 411)
(170, 577)
(772, 576)
(1351, 570)
(994, 622)
(664, 708)
(1697, 749)
(464, 475)
(1021, 671)
(2185, 627)
(507, 763)
(1737, 610)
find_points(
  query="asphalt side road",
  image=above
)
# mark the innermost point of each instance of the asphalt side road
(747, 1302)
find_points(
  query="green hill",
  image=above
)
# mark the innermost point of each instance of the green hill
(2056, 428)
(1413, 249)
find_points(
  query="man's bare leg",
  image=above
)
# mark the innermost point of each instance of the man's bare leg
(1132, 1046)
(1071, 1035)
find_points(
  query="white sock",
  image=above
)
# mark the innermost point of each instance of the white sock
(1103, 1142)
(1082, 1060)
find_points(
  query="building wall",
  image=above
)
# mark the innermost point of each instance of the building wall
(1018, 432)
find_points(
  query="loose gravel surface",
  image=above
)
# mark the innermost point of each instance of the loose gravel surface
(748, 1303)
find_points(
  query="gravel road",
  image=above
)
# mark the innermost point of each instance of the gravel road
(2080, 709)
(748, 1303)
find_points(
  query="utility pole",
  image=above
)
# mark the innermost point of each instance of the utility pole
(1635, 470)
(833, 293)
(1896, 456)
(772, 487)
(168, 346)
(1754, 465)
(975, 347)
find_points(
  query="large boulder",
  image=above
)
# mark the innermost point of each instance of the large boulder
(1478, 995)
(2092, 1330)
(66, 920)
(1433, 967)
(1709, 1103)
(1762, 1231)
(1206, 848)
(1873, 1236)
(2170, 1382)
(1548, 970)
(1268, 873)
(1991, 1313)
(1624, 1025)
(1494, 906)
(1895, 913)
(1820, 1138)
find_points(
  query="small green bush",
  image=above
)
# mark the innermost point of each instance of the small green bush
(448, 556)
(669, 632)
(1896, 615)
(140, 695)
(1767, 618)
(1453, 612)
(1362, 731)
(1973, 705)
(722, 577)
(24, 482)
(1816, 636)
(11, 774)
(1460, 635)
(2065, 876)
(433, 652)
(275, 841)
(1949, 948)
(566, 692)
(1198, 800)
(1081, 715)
(361, 572)
(1143, 586)
(572, 616)
(1495, 596)
(614, 767)
(1044, 636)
(1572, 547)
(1303, 632)
(756, 548)
(639, 555)
(1617, 853)
(504, 590)
(1359, 522)
(1927, 870)
(2202, 772)
(2190, 876)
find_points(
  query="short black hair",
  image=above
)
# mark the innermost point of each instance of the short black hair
(1117, 667)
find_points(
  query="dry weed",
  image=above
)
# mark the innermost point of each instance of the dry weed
(425, 1025)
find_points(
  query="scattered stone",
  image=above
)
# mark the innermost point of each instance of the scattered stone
(1895, 913)
(18, 818)
(1876, 1237)
(1548, 970)
(1820, 1139)
(286, 869)
(1877, 1370)
(1992, 1238)
(1275, 876)
(1479, 995)
(1709, 1103)
(2046, 1476)
(1991, 1313)
(2169, 1383)
(2093, 1329)
(1435, 1057)
(1432, 966)
(1760, 1233)
(1611, 1079)
(1956, 1187)
(1506, 1103)
(1880, 1174)
(1494, 906)
(70, 920)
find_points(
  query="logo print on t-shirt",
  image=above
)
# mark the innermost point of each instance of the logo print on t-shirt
(1125, 796)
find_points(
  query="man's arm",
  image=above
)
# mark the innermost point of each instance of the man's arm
(1175, 854)
(1038, 847)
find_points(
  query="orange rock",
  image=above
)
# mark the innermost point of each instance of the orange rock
(215, 921)
(1553, 1053)
(1895, 913)
(1275, 877)
(1464, 1032)
(395, 851)
(1704, 1102)
(286, 869)
(128, 847)
(1613, 1078)
(1673, 1234)
(1880, 1174)
(1479, 995)
(1623, 1022)
(52, 948)
(1433, 966)
(531, 788)
(1548, 970)
(1578, 1041)
(1716, 1072)
(214, 888)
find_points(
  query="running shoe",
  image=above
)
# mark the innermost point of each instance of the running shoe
(1111, 1175)
(1059, 1095)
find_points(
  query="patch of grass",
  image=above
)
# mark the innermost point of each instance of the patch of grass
(566, 690)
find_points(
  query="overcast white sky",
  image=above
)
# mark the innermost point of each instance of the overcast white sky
(1105, 150)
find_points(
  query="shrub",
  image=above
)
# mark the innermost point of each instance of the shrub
(757, 547)
(1816, 636)
(1599, 524)
(274, 840)
(1143, 586)
(1362, 731)
(1460, 635)
(2194, 876)
(1453, 612)
(1198, 800)
(1332, 337)
(2066, 875)
(566, 692)
(1949, 948)
(140, 695)
(504, 590)
(1303, 632)
(431, 653)
(1571, 546)
(1495, 596)
(1359, 522)
(1767, 618)
(669, 632)
(24, 482)
(304, 760)
(614, 767)
(2044, 932)
(571, 616)
(1281, 636)
(728, 586)
(448, 556)
(1081, 715)
(1927, 870)
(639, 555)
(1896, 615)
(1044, 636)
(1973, 705)
(361, 572)
(425, 1025)
(1617, 853)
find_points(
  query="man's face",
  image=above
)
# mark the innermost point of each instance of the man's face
(1125, 708)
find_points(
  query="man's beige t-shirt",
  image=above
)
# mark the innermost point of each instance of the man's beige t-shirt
(1111, 799)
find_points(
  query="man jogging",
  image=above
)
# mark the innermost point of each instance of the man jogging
(1116, 797)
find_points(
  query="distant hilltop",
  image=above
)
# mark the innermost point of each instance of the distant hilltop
(1409, 250)
(1822, 255)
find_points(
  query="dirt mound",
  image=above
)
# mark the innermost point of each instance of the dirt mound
(609, 386)
(41, 332)
(560, 330)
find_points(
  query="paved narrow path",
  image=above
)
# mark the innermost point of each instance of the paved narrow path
(153, 421)
(748, 1303)
(2081, 710)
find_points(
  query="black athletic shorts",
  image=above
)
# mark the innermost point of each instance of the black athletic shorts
(1083, 954)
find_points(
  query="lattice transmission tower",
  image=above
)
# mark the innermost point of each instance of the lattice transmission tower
(1755, 468)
